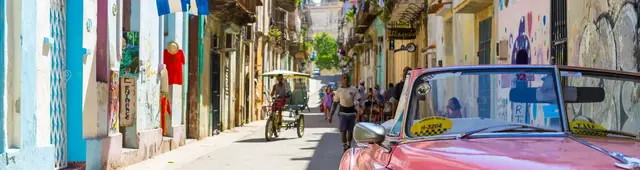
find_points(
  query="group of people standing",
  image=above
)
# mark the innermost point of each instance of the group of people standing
(354, 102)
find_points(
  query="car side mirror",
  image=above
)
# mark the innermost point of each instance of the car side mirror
(370, 133)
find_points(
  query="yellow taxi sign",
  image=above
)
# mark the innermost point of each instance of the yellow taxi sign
(431, 126)
(577, 127)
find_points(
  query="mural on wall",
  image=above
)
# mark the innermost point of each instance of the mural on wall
(605, 34)
(527, 35)
(526, 31)
(128, 101)
(130, 64)
(114, 106)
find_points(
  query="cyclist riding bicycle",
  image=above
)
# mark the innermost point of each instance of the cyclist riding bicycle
(280, 92)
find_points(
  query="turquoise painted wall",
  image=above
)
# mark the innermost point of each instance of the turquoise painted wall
(378, 26)
(31, 154)
(185, 69)
(76, 145)
(2, 72)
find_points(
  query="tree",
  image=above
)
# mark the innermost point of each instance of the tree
(327, 51)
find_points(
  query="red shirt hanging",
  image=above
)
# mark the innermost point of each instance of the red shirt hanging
(174, 64)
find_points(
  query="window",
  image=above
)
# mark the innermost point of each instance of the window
(535, 88)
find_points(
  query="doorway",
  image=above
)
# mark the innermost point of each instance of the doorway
(246, 99)
(484, 57)
(215, 90)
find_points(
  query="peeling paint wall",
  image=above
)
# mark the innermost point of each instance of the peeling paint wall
(148, 86)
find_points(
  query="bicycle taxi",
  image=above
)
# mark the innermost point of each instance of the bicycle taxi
(295, 118)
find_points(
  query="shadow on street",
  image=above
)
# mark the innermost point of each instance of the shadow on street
(326, 155)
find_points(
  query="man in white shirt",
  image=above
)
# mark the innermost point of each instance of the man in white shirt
(347, 97)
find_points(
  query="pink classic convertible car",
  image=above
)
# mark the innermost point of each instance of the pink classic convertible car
(506, 117)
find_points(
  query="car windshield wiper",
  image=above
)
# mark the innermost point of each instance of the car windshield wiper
(610, 132)
(517, 128)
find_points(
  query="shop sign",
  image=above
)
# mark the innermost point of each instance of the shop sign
(402, 33)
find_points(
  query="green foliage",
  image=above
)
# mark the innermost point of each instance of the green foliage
(305, 46)
(274, 34)
(386, 11)
(350, 15)
(326, 49)
(298, 3)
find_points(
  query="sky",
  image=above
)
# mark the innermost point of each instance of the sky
(316, 1)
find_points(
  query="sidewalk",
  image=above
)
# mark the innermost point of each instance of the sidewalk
(189, 153)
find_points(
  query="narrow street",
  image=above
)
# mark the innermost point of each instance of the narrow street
(318, 149)
(245, 148)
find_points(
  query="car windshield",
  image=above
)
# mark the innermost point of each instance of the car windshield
(448, 103)
(617, 110)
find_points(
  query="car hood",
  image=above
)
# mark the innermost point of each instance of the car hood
(548, 153)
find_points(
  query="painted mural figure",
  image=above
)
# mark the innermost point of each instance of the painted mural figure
(521, 45)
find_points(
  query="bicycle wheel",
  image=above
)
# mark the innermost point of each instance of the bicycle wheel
(268, 129)
(300, 125)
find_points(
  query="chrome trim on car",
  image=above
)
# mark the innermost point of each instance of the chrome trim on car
(352, 161)
(625, 161)
(487, 135)
(561, 105)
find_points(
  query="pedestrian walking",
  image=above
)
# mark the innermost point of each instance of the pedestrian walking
(347, 98)
(399, 87)
(327, 101)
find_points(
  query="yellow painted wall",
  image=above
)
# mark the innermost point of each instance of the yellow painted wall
(464, 42)
(399, 60)
(421, 42)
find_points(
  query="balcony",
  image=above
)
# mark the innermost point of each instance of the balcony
(288, 5)
(405, 10)
(249, 5)
(443, 8)
(237, 11)
(472, 6)
(367, 13)
(291, 21)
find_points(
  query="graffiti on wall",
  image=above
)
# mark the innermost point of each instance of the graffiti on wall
(149, 85)
(128, 101)
(606, 35)
(113, 102)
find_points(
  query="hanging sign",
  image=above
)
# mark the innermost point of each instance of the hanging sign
(409, 47)
(402, 33)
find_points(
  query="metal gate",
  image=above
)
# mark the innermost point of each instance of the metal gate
(559, 32)
(58, 78)
(484, 81)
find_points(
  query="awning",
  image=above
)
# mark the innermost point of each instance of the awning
(286, 74)
(195, 7)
